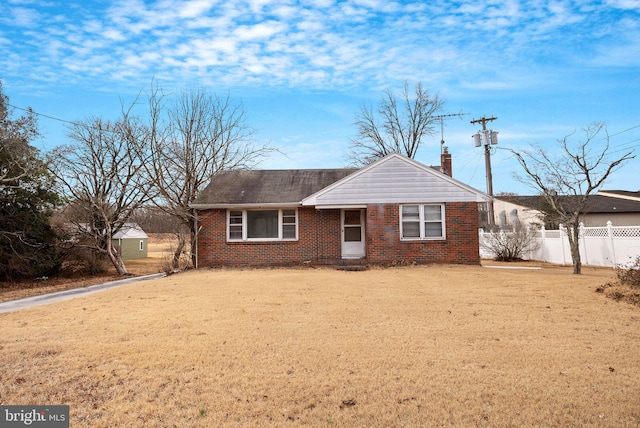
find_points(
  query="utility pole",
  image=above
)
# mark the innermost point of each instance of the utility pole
(488, 138)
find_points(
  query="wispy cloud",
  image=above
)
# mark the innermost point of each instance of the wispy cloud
(22, 17)
(316, 43)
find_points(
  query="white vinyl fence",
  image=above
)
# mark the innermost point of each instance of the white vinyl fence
(599, 246)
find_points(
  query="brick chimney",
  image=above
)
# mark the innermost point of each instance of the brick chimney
(445, 162)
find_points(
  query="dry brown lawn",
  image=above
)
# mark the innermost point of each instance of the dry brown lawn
(414, 346)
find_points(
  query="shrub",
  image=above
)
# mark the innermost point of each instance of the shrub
(627, 284)
(82, 260)
(629, 273)
(167, 266)
(510, 246)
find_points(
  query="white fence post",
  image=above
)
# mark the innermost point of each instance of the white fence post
(613, 248)
(561, 230)
(543, 235)
(581, 234)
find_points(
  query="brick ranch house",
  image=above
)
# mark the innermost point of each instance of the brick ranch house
(393, 211)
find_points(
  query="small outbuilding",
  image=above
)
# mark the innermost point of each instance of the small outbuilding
(131, 242)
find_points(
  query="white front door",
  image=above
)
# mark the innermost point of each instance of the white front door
(353, 234)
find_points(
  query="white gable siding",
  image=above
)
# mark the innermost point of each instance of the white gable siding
(395, 180)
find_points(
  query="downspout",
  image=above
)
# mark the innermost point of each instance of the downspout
(197, 230)
(317, 243)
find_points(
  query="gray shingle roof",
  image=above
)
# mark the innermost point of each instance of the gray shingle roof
(595, 203)
(268, 186)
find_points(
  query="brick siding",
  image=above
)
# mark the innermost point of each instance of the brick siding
(319, 239)
(460, 246)
(313, 242)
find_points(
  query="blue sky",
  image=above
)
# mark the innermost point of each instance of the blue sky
(303, 68)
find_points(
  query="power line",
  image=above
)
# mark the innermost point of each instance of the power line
(626, 130)
(29, 110)
(80, 124)
(478, 159)
(628, 146)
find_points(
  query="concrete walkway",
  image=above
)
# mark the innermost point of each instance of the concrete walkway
(44, 299)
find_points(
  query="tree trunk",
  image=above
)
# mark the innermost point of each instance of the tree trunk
(194, 241)
(574, 245)
(178, 252)
(104, 245)
(116, 260)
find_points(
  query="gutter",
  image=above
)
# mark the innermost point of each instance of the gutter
(240, 206)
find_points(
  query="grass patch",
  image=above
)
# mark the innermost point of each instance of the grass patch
(411, 346)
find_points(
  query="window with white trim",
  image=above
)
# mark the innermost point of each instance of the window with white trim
(262, 225)
(289, 224)
(422, 221)
(235, 222)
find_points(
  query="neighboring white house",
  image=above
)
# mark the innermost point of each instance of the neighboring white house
(509, 210)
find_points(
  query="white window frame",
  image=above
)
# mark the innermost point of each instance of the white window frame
(244, 224)
(422, 222)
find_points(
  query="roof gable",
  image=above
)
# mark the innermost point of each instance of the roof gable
(395, 179)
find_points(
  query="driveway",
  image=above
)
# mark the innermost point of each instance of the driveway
(43, 299)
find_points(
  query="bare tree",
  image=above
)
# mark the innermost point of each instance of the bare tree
(398, 127)
(193, 137)
(567, 180)
(104, 178)
(153, 220)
